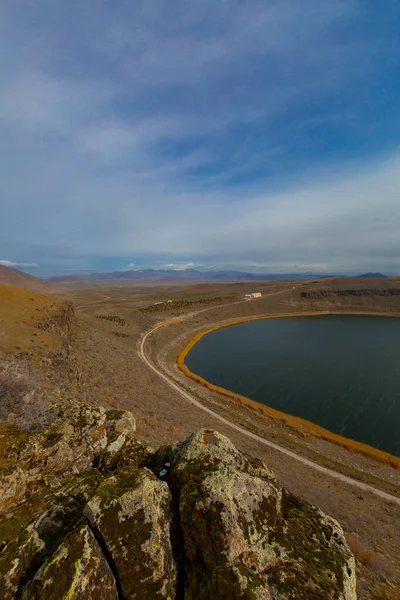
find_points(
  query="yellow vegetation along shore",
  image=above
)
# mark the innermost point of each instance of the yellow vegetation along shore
(300, 425)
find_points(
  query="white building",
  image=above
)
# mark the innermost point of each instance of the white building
(253, 295)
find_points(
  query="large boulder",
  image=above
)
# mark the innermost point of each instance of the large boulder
(245, 537)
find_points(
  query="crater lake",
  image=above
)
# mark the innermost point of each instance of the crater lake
(341, 372)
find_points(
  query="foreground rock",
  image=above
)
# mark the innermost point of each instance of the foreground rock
(98, 515)
(242, 532)
(131, 512)
(90, 576)
(45, 460)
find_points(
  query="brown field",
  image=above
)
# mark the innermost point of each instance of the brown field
(123, 296)
(21, 311)
(105, 351)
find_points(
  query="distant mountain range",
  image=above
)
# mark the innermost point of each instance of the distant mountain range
(183, 275)
(372, 276)
(193, 275)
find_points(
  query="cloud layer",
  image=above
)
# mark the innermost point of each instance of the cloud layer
(232, 133)
(9, 263)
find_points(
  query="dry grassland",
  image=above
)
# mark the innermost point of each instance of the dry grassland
(112, 374)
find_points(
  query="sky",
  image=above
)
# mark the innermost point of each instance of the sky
(250, 134)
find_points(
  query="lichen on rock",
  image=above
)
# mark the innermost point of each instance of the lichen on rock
(77, 570)
(245, 534)
(68, 448)
(91, 513)
(131, 512)
(12, 487)
(23, 555)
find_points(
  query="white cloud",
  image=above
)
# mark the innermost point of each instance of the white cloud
(181, 266)
(9, 263)
(331, 221)
(152, 131)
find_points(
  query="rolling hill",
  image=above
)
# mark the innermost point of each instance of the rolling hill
(25, 281)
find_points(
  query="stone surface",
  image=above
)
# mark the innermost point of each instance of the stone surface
(132, 513)
(22, 556)
(131, 452)
(77, 571)
(12, 488)
(89, 512)
(16, 560)
(243, 534)
(47, 459)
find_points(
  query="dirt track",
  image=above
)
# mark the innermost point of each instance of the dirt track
(257, 438)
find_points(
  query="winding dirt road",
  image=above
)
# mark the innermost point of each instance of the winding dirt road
(259, 439)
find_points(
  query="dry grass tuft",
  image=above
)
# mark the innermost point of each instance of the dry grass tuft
(19, 401)
(366, 555)
(15, 380)
(387, 591)
(36, 416)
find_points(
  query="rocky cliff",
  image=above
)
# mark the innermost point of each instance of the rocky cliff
(88, 512)
(60, 366)
(343, 293)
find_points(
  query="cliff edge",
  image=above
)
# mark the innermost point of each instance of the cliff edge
(88, 512)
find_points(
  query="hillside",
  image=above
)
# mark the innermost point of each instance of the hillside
(25, 281)
(22, 313)
(36, 360)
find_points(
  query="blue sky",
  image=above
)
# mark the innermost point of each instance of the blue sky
(245, 134)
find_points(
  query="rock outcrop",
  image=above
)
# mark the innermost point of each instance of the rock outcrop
(342, 293)
(91, 513)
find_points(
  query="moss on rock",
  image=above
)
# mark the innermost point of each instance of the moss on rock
(244, 536)
(96, 514)
(80, 488)
(23, 555)
(76, 571)
(131, 513)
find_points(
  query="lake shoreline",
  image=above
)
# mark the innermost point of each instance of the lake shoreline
(302, 426)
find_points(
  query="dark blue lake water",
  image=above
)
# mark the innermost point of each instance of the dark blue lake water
(341, 372)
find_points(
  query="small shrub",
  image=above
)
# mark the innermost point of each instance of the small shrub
(179, 304)
(36, 416)
(120, 334)
(16, 379)
(113, 319)
(19, 402)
